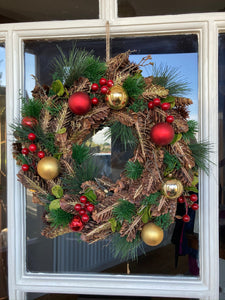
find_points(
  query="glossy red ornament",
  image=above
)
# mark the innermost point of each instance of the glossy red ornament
(169, 119)
(77, 207)
(79, 103)
(104, 89)
(94, 101)
(110, 83)
(94, 87)
(186, 218)
(29, 121)
(86, 204)
(41, 154)
(76, 224)
(83, 199)
(195, 206)
(156, 101)
(162, 134)
(85, 218)
(32, 147)
(151, 105)
(193, 197)
(25, 167)
(102, 81)
(90, 207)
(82, 211)
(165, 106)
(25, 151)
(31, 136)
(180, 199)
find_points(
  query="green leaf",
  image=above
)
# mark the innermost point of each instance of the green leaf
(91, 196)
(124, 211)
(113, 223)
(191, 189)
(62, 130)
(58, 87)
(177, 137)
(145, 216)
(57, 191)
(55, 204)
(133, 170)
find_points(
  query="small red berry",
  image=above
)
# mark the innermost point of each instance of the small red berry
(83, 199)
(157, 101)
(25, 167)
(102, 81)
(195, 206)
(82, 211)
(186, 218)
(94, 87)
(110, 83)
(169, 119)
(86, 204)
(180, 199)
(32, 147)
(104, 89)
(31, 136)
(165, 106)
(85, 218)
(41, 154)
(90, 207)
(151, 105)
(25, 151)
(77, 207)
(94, 101)
(193, 197)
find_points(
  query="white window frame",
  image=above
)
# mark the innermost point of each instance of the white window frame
(207, 27)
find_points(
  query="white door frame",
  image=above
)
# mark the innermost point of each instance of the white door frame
(207, 27)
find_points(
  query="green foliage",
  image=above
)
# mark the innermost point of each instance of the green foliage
(138, 105)
(57, 191)
(95, 69)
(171, 79)
(124, 250)
(80, 153)
(171, 162)
(55, 204)
(201, 151)
(163, 221)
(133, 169)
(58, 88)
(135, 86)
(54, 108)
(31, 108)
(169, 99)
(59, 217)
(124, 211)
(151, 199)
(21, 159)
(192, 130)
(91, 196)
(115, 225)
(122, 134)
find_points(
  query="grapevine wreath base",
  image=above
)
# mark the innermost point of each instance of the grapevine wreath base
(58, 167)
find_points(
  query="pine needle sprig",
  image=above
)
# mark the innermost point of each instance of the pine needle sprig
(135, 86)
(138, 105)
(171, 162)
(152, 199)
(95, 69)
(163, 221)
(31, 108)
(133, 170)
(124, 211)
(192, 130)
(80, 153)
(59, 218)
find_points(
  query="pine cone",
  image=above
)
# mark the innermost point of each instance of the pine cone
(52, 232)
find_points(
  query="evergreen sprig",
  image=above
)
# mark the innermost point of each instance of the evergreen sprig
(95, 69)
(138, 105)
(152, 199)
(171, 162)
(192, 130)
(31, 108)
(201, 151)
(59, 217)
(163, 221)
(133, 169)
(124, 211)
(54, 108)
(80, 153)
(135, 86)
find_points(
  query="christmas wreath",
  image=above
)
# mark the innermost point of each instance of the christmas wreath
(58, 166)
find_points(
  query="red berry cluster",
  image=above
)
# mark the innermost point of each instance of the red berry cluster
(188, 200)
(84, 208)
(165, 106)
(105, 85)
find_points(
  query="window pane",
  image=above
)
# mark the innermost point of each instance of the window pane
(132, 8)
(178, 253)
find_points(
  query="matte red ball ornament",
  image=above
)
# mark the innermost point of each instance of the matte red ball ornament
(32, 147)
(25, 167)
(195, 206)
(76, 224)
(110, 83)
(83, 199)
(94, 87)
(94, 101)
(25, 151)
(193, 197)
(31, 136)
(162, 134)
(85, 218)
(151, 105)
(41, 154)
(90, 207)
(180, 199)
(169, 119)
(165, 106)
(79, 103)
(77, 207)
(104, 89)
(29, 121)
(102, 81)
(186, 218)
(157, 101)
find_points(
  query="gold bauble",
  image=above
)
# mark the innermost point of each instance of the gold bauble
(48, 168)
(152, 234)
(117, 97)
(172, 188)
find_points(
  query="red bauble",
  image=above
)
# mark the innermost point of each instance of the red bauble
(193, 198)
(169, 119)
(77, 207)
(32, 147)
(151, 105)
(41, 154)
(90, 207)
(186, 218)
(180, 199)
(76, 224)
(94, 101)
(25, 167)
(157, 101)
(94, 87)
(104, 89)
(102, 81)
(83, 199)
(195, 206)
(110, 83)
(31, 136)
(29, 121)
(162, 134)
(165, 106)
(82, 211)
(85, 218)
(25, 151)
(79, 103)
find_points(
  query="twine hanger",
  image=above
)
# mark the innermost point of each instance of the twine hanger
(107, 46)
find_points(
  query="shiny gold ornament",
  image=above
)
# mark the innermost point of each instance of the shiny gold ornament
(172, 188)
(48, 168)
(152, 234)
(117, 97)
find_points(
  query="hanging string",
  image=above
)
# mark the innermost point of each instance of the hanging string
(107, 32)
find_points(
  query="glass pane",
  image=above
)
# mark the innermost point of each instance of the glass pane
(132, 8)
(3, 180)
(178, 253)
